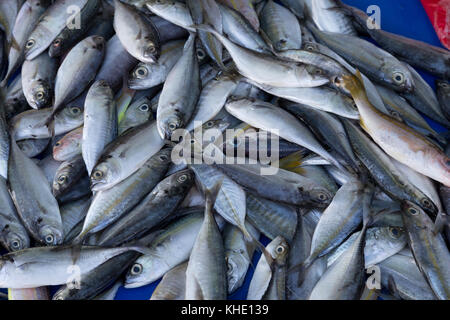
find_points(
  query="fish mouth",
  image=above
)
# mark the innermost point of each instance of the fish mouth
(130, 284)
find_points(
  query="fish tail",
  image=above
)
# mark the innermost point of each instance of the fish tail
(293, 162)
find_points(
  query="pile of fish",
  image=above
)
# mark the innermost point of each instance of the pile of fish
(354, 197)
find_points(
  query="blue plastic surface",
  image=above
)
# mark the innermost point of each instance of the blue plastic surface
(404, 17)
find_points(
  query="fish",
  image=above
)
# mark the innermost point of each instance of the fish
(78, 70)
(384, 171)
(241, 31)
(180, 93)
(169, 288)
(377, 64)
(50, 24)
(31, 124)
(137, 113)
(260, 114)
(125, 155)
(429, 250)
(381, 243)
(137, 34)
(69, 36)
(403, 278)
(206, 272)
(25, 22)
(33, 198)
(69, 145)
(283, 186)
(148, 75)
(36, 262)
(100, 123)
(419, 54)
(109, 204)
(13, 235)
(207, 11)
(443, 95)
(158, 205)
(5, 136)
(281, 26)
(257, 67)
(269, 278)
(174, 11)
(171, 247)
(246, 8)
(38, 81)
(72, 214)
(68, 173)
(398, 140)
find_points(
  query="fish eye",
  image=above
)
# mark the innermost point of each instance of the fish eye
(39, 95)
(141, 72)
(62, 179)
(210, 124)
(309, 47)
(30, 43)
(57, 42)
(49, 239)
(200, 53)
(394, 232)
(318, 71)
(57, 144)
(163, 157)
(413, 211)
(136, 269)
(151, 48)
(280, 249)
(15, 244)
(398, 77)
(444, 85)
(182, 178)
(322, 196)
(98, 174)
(144, 108)
(172, 126)
(426, 203)
(75, 110)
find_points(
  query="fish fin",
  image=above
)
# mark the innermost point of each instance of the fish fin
(124, 100)
(392, 287)
(205, 27)
(292, 162)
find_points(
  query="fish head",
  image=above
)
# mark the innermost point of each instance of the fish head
(150, 51)
(60, 183)
(73, 112)
(41, 95)
(278, 249)
(139, 73)
(96, 43)
(56, 48)
(143, 271)
(317, 75)
(170, 124)
(320, 196)
(237, 265)
(15, 241)
(183, 181)
(414, 215)
(400, 78)
(32, 49)
(50, 235)
(104, 174)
